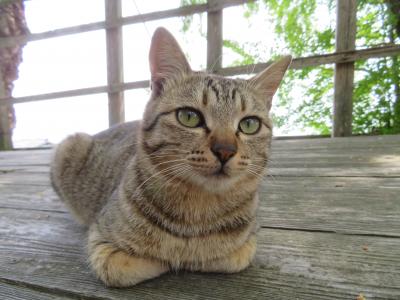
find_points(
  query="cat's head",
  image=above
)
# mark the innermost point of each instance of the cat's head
(205, 129)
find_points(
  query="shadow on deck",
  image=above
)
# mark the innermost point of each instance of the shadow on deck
(329, 217)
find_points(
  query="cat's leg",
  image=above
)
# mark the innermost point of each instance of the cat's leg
(117, 268)
(68, 161)
(237, 261)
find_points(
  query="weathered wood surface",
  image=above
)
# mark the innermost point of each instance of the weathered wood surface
(329, 229)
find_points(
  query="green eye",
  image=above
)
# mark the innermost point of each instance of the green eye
(188, 117)
(249, 125)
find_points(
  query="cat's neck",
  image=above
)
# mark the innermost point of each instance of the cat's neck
(187, 208)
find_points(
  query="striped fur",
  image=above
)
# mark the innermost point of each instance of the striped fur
(150, 191)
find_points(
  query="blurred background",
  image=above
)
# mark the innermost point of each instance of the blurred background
(253, 32)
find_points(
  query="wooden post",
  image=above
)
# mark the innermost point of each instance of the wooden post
(5, 125)
(344, 72)
(214, 39)
(115, 74)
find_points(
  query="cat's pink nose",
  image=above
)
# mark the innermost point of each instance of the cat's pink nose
(224, 152)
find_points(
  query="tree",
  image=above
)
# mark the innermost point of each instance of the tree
(12, 23)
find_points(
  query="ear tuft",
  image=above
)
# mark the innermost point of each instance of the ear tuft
(268, 81)
(167, 59)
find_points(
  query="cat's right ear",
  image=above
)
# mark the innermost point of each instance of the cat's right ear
(166, 59)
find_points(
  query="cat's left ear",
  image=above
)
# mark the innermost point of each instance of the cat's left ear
(268, 81)
(167, 59)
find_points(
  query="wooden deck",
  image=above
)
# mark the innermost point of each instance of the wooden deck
(330, 229)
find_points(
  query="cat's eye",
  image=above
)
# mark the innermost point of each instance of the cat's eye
(250, 125)
(189, 118)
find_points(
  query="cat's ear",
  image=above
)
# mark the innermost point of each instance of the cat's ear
(267, 82)
(166, 59)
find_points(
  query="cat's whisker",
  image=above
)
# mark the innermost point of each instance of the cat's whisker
(178, 172)
(255, 174)
(271, 176)
(157, 174)
(171, 173)
(259, 159)
(256, 167)
(167, 172)
(169, 161)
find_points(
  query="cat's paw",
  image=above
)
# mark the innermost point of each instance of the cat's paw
(116, 268)
(237, 261)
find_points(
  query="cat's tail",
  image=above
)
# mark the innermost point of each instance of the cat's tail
(66, 172)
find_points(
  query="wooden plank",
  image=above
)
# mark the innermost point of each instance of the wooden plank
(297, 63)
(19, 291)
(354, 156)
(344, 144)
(115, 65)
(32, 197)
(25, 157)
(344, 72)
(214, 38)
(282, 164)
(346, 205)
(22, 179)
(158, 15)
(367, 206)
(47, 251)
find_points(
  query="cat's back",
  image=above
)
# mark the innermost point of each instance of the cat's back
(86, 169)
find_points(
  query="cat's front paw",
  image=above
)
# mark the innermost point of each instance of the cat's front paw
(116, 268)
(237, 261)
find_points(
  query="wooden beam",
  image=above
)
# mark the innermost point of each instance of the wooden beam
(115, 69)
(214, 38)
(344, 72)
(176, 12)
(317, 60)
(76, 92)
(298, 63)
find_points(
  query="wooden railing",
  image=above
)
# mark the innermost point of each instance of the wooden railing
(343, 58)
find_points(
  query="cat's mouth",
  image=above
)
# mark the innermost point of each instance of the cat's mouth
(220, 173)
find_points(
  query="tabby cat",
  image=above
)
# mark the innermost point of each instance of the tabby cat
(177, 190)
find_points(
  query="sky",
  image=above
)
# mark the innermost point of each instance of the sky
(79, 61)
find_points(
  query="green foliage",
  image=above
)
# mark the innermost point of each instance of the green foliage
(306, 96)
(187, 21)
(246, 58)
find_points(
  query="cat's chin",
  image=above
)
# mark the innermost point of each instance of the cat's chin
(216, 182)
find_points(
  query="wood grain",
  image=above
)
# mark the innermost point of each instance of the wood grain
(19, 291)
(329, 229)
(46, 250)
